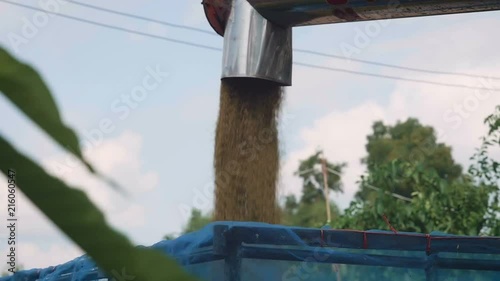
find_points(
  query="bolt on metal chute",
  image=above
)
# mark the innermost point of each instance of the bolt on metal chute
(258, 37)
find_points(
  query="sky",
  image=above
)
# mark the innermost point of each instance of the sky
(159, 145)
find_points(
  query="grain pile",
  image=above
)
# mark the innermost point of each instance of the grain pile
(246, 156)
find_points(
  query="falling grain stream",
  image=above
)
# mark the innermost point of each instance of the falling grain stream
(246, 156)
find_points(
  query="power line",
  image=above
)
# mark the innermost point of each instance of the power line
(396, 66)
(305, 51)
(367, 185)
(374, 187)
(142, 18)
(219, 49)
(114, 27)
(395, 77)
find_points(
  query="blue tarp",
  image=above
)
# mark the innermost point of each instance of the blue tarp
(255, 251)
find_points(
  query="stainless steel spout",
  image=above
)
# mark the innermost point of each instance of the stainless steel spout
(257, 33)
(255, 47)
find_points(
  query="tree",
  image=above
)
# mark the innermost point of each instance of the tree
(170, 236)
(436, 196)
(458, 207)
(197, 221)
(486, 170)
(312, 178)
(411, 142)
(310, 210)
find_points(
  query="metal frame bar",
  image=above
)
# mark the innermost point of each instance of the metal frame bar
(237, 243)
(314, 12)
(291, 13)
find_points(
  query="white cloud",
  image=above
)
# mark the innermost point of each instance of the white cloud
(119, 158)
(341, 135)
(456, 114)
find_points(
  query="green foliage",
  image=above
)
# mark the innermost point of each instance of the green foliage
(294, 213)
(197, 221)
(458, 207)
(307, 214)
(24, 87)
(412, 142)
(406, 160)
(435, 201)
(73, 213)
(312, 176)
(485, 168)
(70, 209)
(310, 210)
(169, 237)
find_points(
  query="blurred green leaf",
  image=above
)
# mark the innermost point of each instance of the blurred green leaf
(24, 87)
(73, 213)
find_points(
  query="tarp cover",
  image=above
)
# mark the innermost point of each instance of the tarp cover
(256, 251)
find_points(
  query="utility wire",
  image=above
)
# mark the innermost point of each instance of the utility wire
(367, 185)
(219, 49)
(374, 187)
(390, 193)
(305, 51)
(181, 26)
(113, 26)
(395, 77)
(428, 71)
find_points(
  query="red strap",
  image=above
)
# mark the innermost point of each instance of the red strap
(389, 224)
(428, 248)
(365, 241)
(322, 238)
